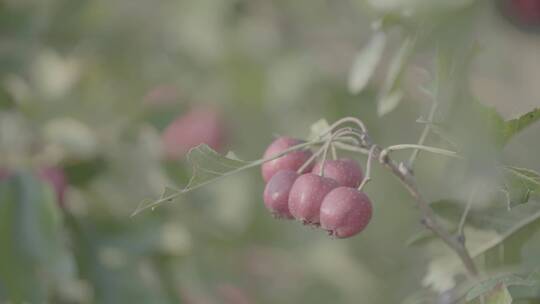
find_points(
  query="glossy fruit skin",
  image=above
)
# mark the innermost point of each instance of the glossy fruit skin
(276, 193)
(291, 161)
(345, 212)
(345, 171)
(306, 196)
(201, 125)
(57, 179)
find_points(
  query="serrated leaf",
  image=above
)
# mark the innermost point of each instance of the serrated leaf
(318, 128)
(209, 166)
(365, 62)
(514, 126)
(390, 94)
(490, 284)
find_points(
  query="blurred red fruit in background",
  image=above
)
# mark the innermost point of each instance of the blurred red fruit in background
(160, 95)
(57, 179)
(201, 125)
(524, 13)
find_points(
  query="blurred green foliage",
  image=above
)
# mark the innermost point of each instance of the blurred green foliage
(88, 86)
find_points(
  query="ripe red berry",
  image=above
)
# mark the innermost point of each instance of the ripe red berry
(276, 193)
(201, 125)
(291, 161)
(57, 179)
(345, 212)
(307, 194)
(345, 171)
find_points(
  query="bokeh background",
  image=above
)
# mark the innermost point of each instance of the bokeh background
(89, 88)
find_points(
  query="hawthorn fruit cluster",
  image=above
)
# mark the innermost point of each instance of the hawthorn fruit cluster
(323, 194)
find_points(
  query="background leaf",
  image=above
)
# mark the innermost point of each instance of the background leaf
(514, 126)
(485, 230)
(365, 62)
(390, 94)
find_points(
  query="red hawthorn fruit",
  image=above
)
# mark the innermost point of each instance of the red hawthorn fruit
(345, 171)
(291, 161)
(306, 196)
(276, 193)
(345, 212)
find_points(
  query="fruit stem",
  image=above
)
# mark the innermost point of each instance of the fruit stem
(337, 134)
(334, 151)
(310, 160)
(367, 178)
(344, 120)
(421, 147)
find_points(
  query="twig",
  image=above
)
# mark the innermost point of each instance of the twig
(421, 147)
(425, 132)
(428, 216)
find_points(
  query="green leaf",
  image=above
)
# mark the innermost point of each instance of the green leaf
(514, 126)
(390, 94)
(209, 166)
(498, 295)
(6, 99)
(30, 239)
(520, 185)
(491, 283)
(531, 291)
(365, 62)
(531, 177)
(499, 218)
(485, 230)
(389, 102)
